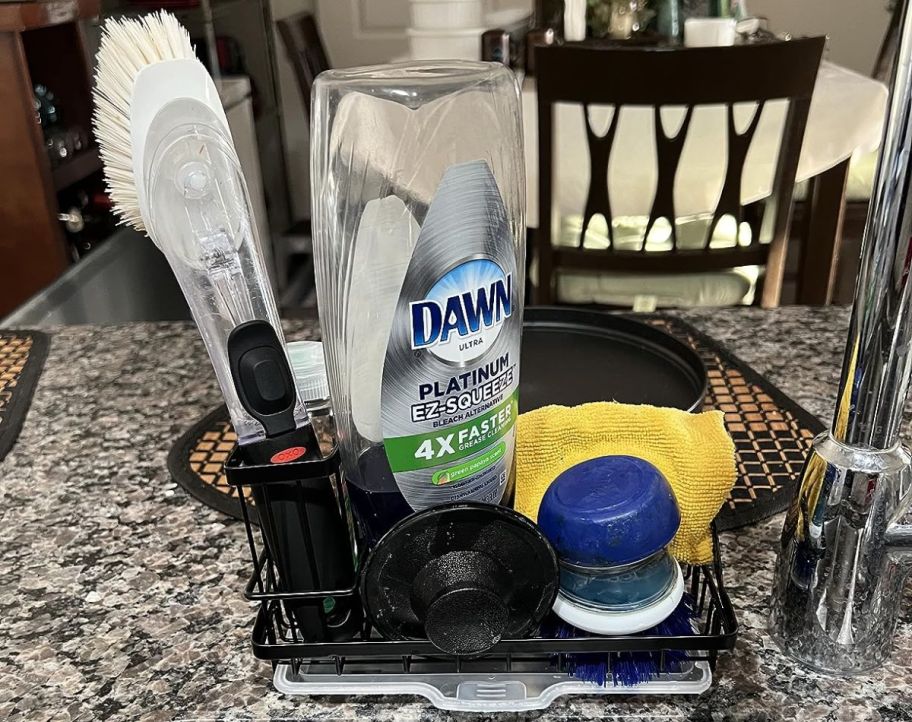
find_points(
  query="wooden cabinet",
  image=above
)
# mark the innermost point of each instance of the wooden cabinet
(40, 42)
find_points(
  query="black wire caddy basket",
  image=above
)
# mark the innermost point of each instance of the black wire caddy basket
(514, 675)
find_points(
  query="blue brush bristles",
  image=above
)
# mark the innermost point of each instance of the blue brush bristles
(629, 668)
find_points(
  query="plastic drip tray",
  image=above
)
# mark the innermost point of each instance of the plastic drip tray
(467, 692)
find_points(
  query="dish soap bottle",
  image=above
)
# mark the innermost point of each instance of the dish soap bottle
(418, 229)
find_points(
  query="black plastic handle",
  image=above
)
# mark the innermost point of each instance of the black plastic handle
(262, 376)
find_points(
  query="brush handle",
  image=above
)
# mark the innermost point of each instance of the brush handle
(200, 216)
(307, 531)
(303, 522)
(266, 389)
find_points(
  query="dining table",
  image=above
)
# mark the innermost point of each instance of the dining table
(845, 121)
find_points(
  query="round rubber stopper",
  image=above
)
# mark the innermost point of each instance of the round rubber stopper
(466, 621)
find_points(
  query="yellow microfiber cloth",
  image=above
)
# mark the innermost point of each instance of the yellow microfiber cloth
(693, 451)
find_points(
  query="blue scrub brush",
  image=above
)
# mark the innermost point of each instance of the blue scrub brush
(628, 668)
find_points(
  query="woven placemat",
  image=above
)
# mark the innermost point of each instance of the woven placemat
(22, 357)
(197, 463)
(771, 432)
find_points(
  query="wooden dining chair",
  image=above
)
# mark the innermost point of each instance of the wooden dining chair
(306, 51)
(688, 78)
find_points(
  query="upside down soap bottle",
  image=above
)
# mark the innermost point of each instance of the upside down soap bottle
(418, 199)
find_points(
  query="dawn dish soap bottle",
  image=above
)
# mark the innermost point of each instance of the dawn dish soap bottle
(418, 228)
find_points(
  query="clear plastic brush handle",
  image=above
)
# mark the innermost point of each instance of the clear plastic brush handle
(198, 213)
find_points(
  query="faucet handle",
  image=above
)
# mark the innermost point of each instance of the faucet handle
(839, 579)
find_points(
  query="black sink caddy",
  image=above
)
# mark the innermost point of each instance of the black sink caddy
(277, 638)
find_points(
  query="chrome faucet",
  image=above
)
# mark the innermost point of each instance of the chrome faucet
(845, 552)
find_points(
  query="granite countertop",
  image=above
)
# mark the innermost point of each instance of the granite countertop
(120, 595)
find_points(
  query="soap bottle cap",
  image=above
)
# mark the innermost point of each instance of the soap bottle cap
(309, 367)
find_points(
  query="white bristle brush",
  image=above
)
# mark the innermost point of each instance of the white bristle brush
(172, 172)
(128, 47)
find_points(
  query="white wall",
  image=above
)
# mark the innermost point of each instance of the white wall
(855, 27)
(365, 32)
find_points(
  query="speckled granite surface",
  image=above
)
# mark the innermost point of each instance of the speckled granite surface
(120, 596)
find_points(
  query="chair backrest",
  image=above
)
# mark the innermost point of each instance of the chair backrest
(684, 77)
(304, 46)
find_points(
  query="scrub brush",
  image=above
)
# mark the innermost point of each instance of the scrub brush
(627, 669)
(172, 171)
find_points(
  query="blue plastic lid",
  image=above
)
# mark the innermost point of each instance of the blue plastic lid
(610, 510)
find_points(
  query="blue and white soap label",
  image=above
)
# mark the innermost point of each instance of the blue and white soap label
(464, 311)
(451, 371)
